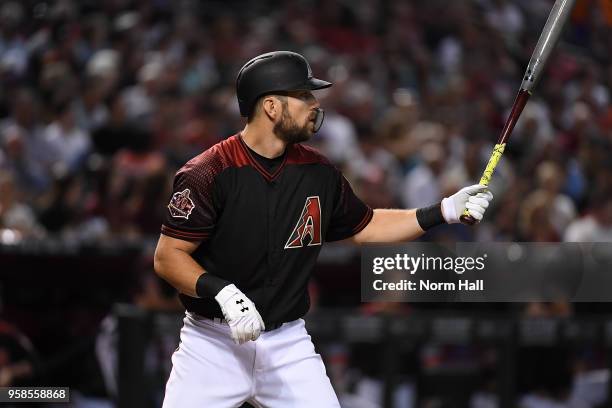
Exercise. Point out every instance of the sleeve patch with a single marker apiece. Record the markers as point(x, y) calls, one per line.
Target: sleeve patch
point(181, 205)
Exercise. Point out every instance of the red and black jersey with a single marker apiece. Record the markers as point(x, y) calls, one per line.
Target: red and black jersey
point(261, 230)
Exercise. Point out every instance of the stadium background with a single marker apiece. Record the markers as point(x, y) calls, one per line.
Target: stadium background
point(101, 102)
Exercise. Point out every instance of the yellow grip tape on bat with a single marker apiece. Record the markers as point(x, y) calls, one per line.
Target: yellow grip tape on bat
point(498, 150)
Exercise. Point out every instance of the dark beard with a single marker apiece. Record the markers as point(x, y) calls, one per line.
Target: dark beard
point(289, 131)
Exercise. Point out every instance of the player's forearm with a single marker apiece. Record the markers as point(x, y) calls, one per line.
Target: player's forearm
point(390, 226)
point(178, 268)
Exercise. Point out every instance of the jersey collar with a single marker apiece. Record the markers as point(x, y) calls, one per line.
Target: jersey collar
point(262, 170)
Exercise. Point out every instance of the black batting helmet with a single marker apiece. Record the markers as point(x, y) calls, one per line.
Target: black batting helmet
point(273, 72)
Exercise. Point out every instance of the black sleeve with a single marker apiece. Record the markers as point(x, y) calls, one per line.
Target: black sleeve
point(191, 212)
point(350, 214)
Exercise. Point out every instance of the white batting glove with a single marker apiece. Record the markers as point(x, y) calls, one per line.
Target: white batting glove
point(475, 198)
point(241, 315)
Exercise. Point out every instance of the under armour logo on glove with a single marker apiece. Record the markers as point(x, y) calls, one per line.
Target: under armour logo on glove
point(241, 314)
point(240, 302)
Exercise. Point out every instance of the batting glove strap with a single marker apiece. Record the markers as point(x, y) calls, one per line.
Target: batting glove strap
point(243, 318)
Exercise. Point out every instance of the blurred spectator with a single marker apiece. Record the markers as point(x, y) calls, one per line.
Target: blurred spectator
point(13, 50)
point(506, 16)
point(137, 178)
point(139, 100)
point(113, 134)
point(66, 140)
point(26, 150)
point(61, 208)
point(15, 214)
point(595, 226)
point(554, 209)
point(90, 111)
point(422, 183)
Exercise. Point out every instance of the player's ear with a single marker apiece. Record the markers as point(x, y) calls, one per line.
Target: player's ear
point(271, 106)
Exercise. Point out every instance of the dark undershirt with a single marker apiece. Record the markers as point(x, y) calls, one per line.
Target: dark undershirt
point(269, 164)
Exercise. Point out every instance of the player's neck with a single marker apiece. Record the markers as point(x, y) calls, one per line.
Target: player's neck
point(262, 141)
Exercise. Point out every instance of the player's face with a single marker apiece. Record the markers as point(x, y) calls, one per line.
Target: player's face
point(297, 121)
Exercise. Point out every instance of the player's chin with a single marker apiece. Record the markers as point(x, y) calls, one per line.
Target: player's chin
point(304, 136)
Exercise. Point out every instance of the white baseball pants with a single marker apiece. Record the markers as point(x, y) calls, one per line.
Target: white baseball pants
point(279, 369)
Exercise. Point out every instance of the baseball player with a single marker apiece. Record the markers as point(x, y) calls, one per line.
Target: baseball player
point(243, 230)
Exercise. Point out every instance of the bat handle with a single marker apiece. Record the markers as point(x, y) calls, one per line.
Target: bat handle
point(466, 218)
point(498, 150)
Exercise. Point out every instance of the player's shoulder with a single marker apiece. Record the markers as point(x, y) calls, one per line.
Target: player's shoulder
point(213, 160)
point(303, 154)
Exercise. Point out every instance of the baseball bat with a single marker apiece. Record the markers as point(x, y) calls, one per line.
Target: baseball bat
point(550, 35)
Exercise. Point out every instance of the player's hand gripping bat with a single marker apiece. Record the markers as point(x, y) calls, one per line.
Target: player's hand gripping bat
point(552, 30)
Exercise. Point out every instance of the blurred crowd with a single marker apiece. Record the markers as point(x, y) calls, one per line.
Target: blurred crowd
point(101, 102)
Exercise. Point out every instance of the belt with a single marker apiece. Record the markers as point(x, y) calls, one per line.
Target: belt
point(269, 326)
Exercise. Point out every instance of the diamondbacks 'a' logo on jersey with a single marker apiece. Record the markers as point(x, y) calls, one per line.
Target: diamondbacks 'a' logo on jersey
point(181, 205)
point(307, 231)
